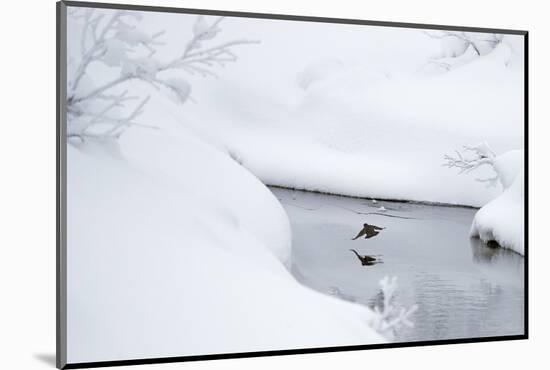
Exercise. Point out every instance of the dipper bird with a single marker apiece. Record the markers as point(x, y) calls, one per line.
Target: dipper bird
point(369, 231)
point(365, 260)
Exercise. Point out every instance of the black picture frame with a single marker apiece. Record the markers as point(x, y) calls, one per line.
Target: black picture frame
point(61, 221)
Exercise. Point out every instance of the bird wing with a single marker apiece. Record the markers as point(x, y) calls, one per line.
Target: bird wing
point(377, 227)
point(370, 229)
point(361, 233)
point(370, 233)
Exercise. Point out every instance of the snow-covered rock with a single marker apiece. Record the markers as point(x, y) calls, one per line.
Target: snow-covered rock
point(508, 165)
point(502, 219)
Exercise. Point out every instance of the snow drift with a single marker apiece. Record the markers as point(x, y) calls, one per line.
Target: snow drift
point(361, 130)
point(502, 219)
point(175, 249)
point(353, 110)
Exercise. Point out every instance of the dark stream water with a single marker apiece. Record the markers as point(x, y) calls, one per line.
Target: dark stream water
point(462, 288)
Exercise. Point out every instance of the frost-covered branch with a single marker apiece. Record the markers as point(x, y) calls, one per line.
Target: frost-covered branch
point(117, 43)
point(116, 126)
point(390, 317)
point(482, 155)
point(454, 46)
point(465, 164)
point(98, 47)
point(196, 60)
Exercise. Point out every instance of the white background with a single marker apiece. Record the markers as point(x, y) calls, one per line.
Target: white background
point(27, 190)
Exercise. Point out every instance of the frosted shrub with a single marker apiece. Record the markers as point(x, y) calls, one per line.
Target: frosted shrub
point(390, 317)
point(105, 109)
point(506, 165)
point(482, 155)
point(501, 220)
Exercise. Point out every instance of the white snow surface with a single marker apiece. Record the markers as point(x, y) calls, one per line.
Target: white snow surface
point(502, 219)
point(508, 165)
point(364, 130)
point(349, 109)
point(174, 249)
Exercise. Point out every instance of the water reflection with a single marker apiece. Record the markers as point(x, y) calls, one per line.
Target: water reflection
point(463, 288)
point(491, 252)
point(502, 266)
point(366, 260)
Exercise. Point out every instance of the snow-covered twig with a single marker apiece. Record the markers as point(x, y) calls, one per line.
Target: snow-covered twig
point(110, 41)
point(482, 150)
point(218, 55)
point(118, 125)
point(197, 60)
point(390, 317)
point(464, 164)
point(99, 90)
point(483, 155)
point(97, 49)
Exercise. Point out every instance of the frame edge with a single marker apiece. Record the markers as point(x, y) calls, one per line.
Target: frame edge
point(61, 169)
point(289, 17)
point(61, 244)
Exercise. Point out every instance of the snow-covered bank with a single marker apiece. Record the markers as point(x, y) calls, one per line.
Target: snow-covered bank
point(175, 249)
point(175, 245)
point(360, 131)
point(361, 111)
point(502, 219)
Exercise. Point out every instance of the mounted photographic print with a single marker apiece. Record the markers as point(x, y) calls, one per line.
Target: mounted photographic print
point(238, 184)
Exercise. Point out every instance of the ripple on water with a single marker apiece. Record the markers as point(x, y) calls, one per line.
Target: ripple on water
point(463, 288)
